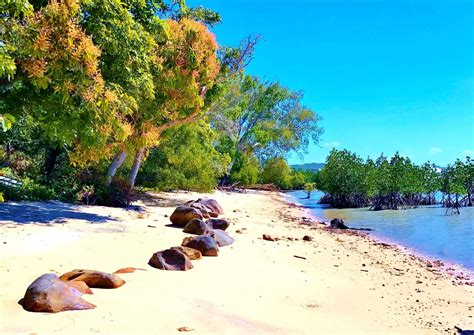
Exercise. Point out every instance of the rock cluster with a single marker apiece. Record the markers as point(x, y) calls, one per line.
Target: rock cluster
point(52, 294)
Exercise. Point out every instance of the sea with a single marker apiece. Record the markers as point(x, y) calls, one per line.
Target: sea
point(429, 231)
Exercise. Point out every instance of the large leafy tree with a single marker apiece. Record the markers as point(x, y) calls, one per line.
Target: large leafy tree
point(186, 158)
point(56, 77)
point(264, 119)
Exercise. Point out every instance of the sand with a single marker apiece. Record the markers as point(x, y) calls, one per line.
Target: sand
point(339, 283)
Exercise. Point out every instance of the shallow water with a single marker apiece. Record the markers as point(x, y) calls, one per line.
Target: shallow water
point(426, 230)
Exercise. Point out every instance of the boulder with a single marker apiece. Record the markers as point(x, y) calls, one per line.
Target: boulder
point(222, 238)
point(203, 209)
point(196, 226)
point(171, 259)
point(206, 244)
point(337, 224)
point(218, 224)
point(212, 204)
point(193, 254)
point(183, 214)
point(49, 294)
point(94, 278)
point(80, 286)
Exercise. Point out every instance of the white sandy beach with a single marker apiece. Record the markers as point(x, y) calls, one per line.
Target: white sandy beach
point(340, 283)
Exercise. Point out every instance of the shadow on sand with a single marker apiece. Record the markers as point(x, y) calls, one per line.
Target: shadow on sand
point(46, 213)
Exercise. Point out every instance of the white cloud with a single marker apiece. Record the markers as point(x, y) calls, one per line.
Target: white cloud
point(435, 150)
point(469, 153)
point(331, 144)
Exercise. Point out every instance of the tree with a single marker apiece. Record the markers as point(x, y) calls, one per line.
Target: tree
point(277, 172)
point(56, 77)
point(185, 159)
point(343, 179)
point(265, 120)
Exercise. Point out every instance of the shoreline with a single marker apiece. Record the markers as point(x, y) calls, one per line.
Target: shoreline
point(337, 282)
point(449, 267)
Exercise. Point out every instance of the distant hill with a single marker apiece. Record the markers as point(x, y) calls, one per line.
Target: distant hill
point(308, 166)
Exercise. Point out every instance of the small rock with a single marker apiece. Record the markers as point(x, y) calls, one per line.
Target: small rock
point(307, 238)
point(94, 278)
point(338, 224)
point(128, 270)
point(170, 259)
point(185, 329)
point(267, 237)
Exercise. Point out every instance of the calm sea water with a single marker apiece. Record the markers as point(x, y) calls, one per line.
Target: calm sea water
point(426, 230)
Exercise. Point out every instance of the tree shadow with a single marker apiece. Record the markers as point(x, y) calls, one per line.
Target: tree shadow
point(154, 199)
point(49, 212)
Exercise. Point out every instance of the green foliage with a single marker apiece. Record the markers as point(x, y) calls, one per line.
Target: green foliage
point(264, 120)
point(343, 175)
point(185, 159)
point(277, 172)
point(246, 170)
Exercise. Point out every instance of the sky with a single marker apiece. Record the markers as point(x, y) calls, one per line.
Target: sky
point(384, 75)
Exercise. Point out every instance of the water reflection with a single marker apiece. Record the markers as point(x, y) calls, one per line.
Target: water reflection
point(427, 229)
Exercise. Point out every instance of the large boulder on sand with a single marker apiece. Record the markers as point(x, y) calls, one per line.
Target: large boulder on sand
point(94, 278)
point(221, 237)
point(218, 224)
point(337, 224)
point(196, 226)
point(49, 294)
point(171, 259)
point(183, 214)
point(206, 244)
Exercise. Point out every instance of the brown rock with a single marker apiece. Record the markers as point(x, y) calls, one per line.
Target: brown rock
point(206, 244)
point(183, 214)
point(193, 254)
point(218, 224)
point(267, 237)
point(196, 226)
point(94, 278)
point(128, 270)
point(171, 260)
point(80, 286)
point(307, 238)
point(49, 294)
point(203, 209)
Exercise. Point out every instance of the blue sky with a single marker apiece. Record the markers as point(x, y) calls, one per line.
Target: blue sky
point(384, 75)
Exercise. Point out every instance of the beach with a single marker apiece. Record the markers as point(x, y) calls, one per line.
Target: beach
point(339, 282)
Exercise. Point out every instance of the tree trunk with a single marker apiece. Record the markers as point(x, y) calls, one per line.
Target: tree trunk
point(226, 178)
point(114, 166)
point(50, 163)
point(136, 166)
